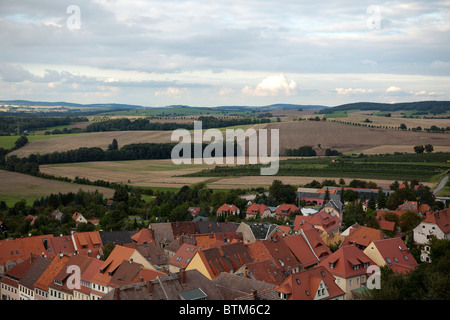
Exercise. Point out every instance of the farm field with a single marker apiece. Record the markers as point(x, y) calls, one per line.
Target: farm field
point(293, 134)
point(165, 174)
point(347, 138)
point(16, 186)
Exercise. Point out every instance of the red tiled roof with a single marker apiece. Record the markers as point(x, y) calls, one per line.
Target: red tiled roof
point(21, 248)
point(301, 250)
point(256, 208)
point(343, 258)
point(50, 273)
point(144, 235)
point(396, 254)
point(440, 218)
point(322, 218)
point(304, 285)
point(363, 236)
point(183, 255)
point(267, 271)
point(286, 209)
point(227, 209)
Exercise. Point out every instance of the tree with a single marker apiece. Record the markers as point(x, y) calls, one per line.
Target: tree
point(398, 197)
point(381, 199)
point(20, 142)
point(327, 195)
point(429, 148)
point(419, 149)
point(372, 203)
point(114, 145)
point(354, 213)
point(409, 220)
point(121, 194)
point(403, 126)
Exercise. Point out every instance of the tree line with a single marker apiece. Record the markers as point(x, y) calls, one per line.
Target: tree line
point(10, 125)
point(125, 124)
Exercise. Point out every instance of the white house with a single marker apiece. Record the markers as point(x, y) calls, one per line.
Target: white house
point(435, 223)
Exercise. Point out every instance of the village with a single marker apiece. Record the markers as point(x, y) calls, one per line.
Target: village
point(314, 258)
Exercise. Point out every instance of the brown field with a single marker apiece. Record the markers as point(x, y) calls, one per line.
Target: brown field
point(163, 173)
point(94, 139)
point(395, 121)
point(16, 186)
point(347, 138)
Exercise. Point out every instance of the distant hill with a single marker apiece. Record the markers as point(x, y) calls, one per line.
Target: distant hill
point(433, 107)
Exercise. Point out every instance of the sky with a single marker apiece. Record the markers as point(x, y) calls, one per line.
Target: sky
point(217, 52)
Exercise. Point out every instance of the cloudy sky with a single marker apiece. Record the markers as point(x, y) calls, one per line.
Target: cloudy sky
point(224, 52)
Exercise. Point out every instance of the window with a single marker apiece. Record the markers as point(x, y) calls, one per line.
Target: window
point(298, 281)
point(388, 260)
point(331, 265)
point(395, 259)
point(178, 259)
point(406, 258)
point(307, 292)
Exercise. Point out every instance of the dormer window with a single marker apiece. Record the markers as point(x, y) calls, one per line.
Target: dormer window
point(331, 265)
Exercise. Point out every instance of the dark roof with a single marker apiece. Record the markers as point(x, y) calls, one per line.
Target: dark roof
point(153, 253)
point(38, 266)
point(233, 286)
point(208, 227)
point(261, 230)
point(116, 237)
point(168, 287)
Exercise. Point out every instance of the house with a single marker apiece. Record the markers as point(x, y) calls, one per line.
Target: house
point(9, 283)
point(87, 243)
point(334, 207)
point(253, 231)
point(408, 205)
point(393, 253)
point(194, 211)
point(262, 270)
point(173, 247)
point(57, 245)
point(61, 288)
point(362, 236)
point(284, 210)
point(162, 233)
point(101, 280)
point(349, 266)
point(13, 251)
point(435, 224)
point(323, 220)
point(282, 255)
point(144, 236)
point(227, 209)
point(116, 237)
point(131, 272)
point(79, 218)
point(227, 258)
point(41, 287)
point(184, 228)
point(313, 284)
point(307, 247)
point(235, 287)
point(258, 209)
point(184, 285)
point(182, 257)
point(57, 215)
point(26, 285)
point(84, 291)
point(153, 254)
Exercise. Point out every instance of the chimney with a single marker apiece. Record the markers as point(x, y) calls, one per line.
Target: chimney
point(183, 276)
point(149, 286)
point(117, 293)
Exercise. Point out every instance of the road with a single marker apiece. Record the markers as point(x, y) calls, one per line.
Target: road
point(441, 185)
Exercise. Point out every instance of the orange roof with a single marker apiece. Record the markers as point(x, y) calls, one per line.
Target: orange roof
point(267, 271)
point(285, 209)
point(256, 208)
point(144, 235)
point(440, 218)
point(85, 241)
point(206, 241)
point(227, 208)
point(363, 236)
point(301, 250)
point(22, 248)
point(396, 254)
point(258, 251)
point(342, 261)
point(183, 255)
point(305, 285)
point(50, 273)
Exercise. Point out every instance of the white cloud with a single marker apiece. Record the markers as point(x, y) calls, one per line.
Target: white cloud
point(171, 91)
point(272, 86)
point(348, 91)
point(393, 89)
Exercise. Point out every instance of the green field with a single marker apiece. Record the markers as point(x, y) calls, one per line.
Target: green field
point(7, 142)
point(402, 167)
